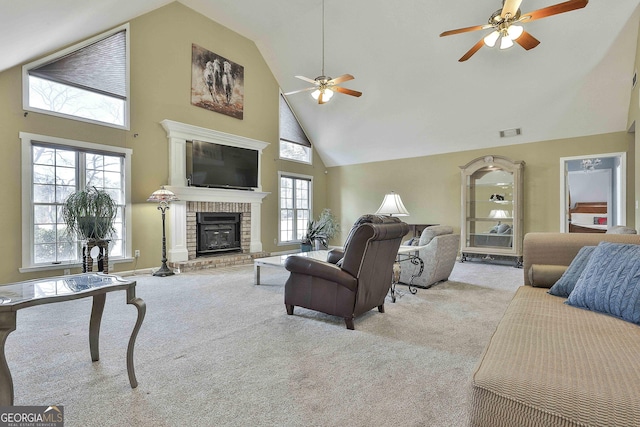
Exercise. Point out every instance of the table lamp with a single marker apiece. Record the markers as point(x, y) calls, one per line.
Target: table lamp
point(392, 206)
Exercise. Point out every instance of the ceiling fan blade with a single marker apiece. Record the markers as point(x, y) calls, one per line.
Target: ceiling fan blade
point(466, 30)
point(471, 51)
point(306, 79)
point(342, 78)
point(567, 6)
point(301, 90)
point(346, 91)
point(510, 7)
point(527, 41)
point(321, 99)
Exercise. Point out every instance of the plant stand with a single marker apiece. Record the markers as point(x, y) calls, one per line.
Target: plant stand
point(102, 258)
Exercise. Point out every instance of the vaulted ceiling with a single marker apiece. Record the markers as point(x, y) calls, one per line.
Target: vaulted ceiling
point(418, 99)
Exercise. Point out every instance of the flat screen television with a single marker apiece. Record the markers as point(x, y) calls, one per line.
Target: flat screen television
point(221, 166)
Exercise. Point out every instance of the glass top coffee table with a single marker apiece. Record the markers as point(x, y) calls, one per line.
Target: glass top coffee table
point(278, 261)
point(16, 296)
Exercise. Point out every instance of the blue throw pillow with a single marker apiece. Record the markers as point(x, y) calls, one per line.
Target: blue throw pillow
point(566, 283)
point(610, 283)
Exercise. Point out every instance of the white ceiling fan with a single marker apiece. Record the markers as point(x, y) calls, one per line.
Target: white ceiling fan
point(323, 86)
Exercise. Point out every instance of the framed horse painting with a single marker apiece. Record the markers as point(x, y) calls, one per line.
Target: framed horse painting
point(217, 83)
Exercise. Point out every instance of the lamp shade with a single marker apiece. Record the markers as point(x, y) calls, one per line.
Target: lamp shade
point(491, 39)
point(499, 213)
point(392, 205)
point(506, 42)
point(515, 31)
point(162, 196)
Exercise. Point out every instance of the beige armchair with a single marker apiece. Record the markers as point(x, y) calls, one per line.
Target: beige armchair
point(437, 247)
point(355, 284)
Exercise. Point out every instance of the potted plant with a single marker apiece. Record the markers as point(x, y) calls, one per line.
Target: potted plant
point(90, 213)
point(320, 231)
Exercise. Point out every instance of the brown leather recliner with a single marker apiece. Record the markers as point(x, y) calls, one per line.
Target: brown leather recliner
point(358, 282)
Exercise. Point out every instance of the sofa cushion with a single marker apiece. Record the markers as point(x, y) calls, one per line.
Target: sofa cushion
point(545, 275)
point(610, 283)
point(435, 230)
point(566, 283)
point(548, 364)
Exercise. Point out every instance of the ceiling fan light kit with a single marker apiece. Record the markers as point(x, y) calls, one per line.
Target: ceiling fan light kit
point(324, 87)
point(326, 94)
point(504, 24)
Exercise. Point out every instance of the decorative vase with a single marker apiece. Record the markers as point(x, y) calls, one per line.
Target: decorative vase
point(305, 247)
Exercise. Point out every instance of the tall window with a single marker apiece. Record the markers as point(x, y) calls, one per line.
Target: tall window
point(295, 206)
point(88, 81)
point(294, 144)
point(53, 169)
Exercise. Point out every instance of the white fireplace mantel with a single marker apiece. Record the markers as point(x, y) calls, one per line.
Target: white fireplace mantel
point(178, 135)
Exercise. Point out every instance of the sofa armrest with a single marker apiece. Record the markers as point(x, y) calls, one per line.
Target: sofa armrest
point(321, 269)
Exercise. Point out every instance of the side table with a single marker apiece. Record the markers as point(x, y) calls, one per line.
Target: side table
point(405, 253)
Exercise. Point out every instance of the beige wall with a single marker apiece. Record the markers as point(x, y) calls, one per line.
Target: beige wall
point(160, 89)
point(430, 186)
point(633, 122)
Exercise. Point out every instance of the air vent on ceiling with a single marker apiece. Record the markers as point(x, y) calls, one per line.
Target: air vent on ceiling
point(510, 132)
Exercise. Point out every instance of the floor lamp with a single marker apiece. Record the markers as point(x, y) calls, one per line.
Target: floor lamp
point(163, 197)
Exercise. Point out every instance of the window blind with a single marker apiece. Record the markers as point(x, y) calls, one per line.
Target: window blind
point(99, 67)
point(290, 129)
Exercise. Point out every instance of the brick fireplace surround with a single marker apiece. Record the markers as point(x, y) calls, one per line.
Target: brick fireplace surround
point(181, 223)
point(244, 209)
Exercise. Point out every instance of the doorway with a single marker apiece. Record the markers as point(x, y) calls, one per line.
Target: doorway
point(593, 180)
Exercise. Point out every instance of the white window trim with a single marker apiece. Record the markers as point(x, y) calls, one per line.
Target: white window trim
point(293, 175)
point(27, 196)
point(61, 53)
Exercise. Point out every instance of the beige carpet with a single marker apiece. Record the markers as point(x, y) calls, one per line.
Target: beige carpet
point(215, 350)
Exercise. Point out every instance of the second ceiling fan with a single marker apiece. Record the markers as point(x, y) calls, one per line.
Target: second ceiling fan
point(504, 26)
point(325, 86)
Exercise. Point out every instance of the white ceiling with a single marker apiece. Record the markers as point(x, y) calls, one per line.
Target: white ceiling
point(418, 99)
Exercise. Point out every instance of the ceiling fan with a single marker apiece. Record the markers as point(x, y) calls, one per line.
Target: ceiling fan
point(323, 86)
point(503, 23)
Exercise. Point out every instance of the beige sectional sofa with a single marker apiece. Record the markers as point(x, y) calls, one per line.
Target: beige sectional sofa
point(551, 364)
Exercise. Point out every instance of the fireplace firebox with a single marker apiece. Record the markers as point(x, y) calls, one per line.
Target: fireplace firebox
point(217, 232)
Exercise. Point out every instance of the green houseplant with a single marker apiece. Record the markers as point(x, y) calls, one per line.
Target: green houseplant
point(90, 214)
point(320, 231)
